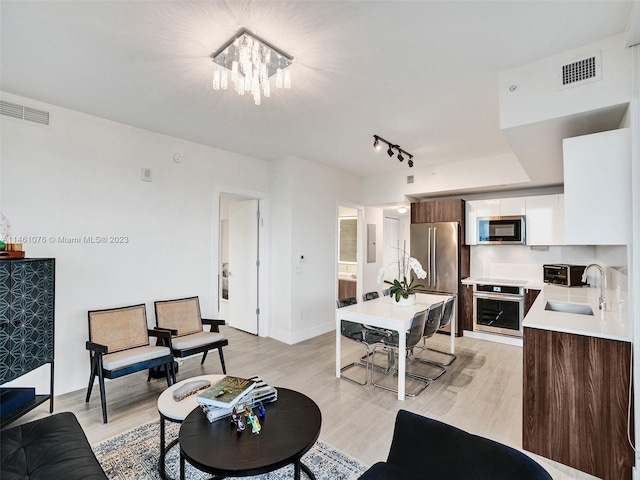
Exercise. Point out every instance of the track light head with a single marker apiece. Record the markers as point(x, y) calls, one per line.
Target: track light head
point(410, 162)
point(390, 151)
point(376, 142)
point(400, 157)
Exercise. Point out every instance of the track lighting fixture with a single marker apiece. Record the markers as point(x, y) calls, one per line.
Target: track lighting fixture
point(376, 144)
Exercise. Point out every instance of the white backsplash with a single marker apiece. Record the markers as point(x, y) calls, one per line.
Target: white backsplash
point(519, 262)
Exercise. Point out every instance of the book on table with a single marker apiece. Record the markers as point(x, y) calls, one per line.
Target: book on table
point(226, 392)
point(260, 393)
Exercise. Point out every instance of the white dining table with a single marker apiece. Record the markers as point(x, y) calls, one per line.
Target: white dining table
point(383, 313)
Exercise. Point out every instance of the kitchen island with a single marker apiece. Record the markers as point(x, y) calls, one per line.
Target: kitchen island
point(576, 382)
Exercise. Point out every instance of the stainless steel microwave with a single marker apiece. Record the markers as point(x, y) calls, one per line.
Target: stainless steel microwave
point(501, 230)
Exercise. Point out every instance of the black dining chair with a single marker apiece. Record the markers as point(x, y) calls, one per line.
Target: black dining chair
point(358, 332)
point(370, 296)
point(447, 316)
point(431, 326)
point(391, 344)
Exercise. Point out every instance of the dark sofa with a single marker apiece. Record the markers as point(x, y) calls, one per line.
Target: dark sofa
point(423, 449)
point(54, 447)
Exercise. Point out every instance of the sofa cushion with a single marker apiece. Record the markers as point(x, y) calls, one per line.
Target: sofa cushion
point(388, 471)
point(48, 448)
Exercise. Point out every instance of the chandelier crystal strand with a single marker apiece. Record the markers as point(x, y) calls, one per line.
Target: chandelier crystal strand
point(279, 78)
point(216, 80)
point(287, 78)
point(223, 81)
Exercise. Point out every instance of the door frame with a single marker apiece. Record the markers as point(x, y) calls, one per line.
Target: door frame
point(264, 236)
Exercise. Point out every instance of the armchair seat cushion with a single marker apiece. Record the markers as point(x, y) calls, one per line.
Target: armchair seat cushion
point(125, 358)
point(194, 340)
point(51, 447)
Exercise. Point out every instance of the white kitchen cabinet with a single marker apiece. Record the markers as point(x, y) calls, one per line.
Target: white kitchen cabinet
point(512, 206)
point(597, 188)
point(545, 220)
point(487, 208)
point(493, 207)
point(471, 222)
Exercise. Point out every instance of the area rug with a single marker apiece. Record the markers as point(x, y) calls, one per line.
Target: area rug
point(134, 455)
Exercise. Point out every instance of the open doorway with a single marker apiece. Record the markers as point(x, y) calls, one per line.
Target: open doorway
point(347, 252)
point(239, 261)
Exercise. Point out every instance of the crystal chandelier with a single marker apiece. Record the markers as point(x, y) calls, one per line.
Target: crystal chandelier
point(250, 61)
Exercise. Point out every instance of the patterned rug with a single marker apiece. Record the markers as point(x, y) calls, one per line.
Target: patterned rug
point(134, 455)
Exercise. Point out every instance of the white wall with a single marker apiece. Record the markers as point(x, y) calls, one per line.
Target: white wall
point(304, 207)
point(482, 172)
point(539, 96)
point(81, 176)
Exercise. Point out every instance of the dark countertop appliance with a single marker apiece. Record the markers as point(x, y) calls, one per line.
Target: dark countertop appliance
point(564, 274)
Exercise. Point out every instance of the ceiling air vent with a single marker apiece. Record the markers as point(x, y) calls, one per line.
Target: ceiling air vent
point(24, 113)
point(580, 71)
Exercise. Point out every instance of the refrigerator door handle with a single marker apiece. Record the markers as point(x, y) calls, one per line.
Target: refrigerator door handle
point(434, 260)
point(429, 257)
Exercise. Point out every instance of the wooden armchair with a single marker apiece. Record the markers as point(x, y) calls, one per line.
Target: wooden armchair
point(183, 320)
point(119, 345)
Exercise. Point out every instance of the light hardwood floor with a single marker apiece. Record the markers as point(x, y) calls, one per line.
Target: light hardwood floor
point(481, 392)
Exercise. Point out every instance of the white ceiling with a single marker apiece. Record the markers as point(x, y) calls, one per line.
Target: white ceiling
point(422, 74)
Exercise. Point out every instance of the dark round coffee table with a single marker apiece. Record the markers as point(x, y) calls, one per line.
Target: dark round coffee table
point(289, 430)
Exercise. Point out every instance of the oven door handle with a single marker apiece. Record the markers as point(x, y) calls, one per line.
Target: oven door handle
point(499, 296)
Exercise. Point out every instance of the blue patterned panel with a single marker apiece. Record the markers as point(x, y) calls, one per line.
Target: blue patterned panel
point(5, 283)
point(31, 314)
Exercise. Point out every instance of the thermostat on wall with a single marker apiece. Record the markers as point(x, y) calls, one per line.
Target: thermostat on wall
point(146, 174)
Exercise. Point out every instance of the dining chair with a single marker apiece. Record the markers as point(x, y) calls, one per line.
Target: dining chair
point(447, 316)
point(431, 326)
point(370, 296)
point(391, 344)
point(119, 345)
point(358, 332)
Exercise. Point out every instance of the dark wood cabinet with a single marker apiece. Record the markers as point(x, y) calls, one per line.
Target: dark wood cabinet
point(438, 211)
point(575, 402)
point(530, 295)
point(26, 323)
point(346, 288)
point(465, 303)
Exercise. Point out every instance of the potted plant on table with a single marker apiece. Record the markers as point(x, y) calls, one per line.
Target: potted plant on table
point(403, 288)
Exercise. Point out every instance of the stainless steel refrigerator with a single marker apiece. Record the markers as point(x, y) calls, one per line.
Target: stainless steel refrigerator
point(437, 247)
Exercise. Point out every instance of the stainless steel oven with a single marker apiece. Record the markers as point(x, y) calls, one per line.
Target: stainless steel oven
point(498, 309)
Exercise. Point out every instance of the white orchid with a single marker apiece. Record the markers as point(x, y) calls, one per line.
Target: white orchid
point(401, 287)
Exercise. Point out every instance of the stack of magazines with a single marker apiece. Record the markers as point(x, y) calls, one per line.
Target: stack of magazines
point(260, 393)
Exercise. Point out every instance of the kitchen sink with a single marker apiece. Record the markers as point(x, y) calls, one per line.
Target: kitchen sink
point(564, 307)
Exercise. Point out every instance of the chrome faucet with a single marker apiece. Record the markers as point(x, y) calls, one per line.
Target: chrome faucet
point(603, 283)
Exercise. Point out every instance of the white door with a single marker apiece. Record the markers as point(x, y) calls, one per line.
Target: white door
point(243, 265)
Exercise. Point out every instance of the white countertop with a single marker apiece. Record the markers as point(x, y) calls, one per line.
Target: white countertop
point(612, 324)
point(502, 281)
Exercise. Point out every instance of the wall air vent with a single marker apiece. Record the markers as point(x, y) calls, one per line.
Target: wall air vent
point(24, 113)
point(580, 71)
point(409, 179)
